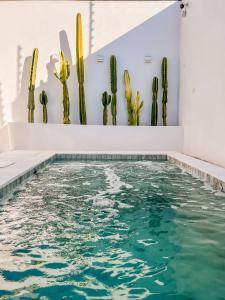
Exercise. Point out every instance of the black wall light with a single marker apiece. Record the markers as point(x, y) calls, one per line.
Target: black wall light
point(183, 7)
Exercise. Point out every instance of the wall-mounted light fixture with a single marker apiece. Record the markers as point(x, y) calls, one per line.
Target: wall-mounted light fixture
point(147, 59)
point(100, 58)
point(183, 7)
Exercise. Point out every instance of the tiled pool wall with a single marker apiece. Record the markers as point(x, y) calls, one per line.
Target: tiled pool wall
point(213, 181)
point(11, 186)
point(103, 156)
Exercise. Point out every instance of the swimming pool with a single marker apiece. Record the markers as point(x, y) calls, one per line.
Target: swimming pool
point(113, 230)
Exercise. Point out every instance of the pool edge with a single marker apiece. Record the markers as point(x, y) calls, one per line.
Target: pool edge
point(213, 175)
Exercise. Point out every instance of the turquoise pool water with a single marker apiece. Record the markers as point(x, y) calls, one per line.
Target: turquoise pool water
point(113, 230)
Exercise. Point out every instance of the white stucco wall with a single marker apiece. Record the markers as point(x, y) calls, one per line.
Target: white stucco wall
point(202, 81)
point(59, 137)
point(130, 30)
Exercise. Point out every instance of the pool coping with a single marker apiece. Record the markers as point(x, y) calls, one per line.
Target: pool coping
point(18, 170)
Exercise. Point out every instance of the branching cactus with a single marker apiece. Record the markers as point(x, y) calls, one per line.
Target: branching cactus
point(113, 76)
point(44, 100)
point(31, 87)
point(106, 99)
point(137, 106)
point(128, 96)
point(63, 76)
point(80, 70)
point(165, 88)
point(154, 114)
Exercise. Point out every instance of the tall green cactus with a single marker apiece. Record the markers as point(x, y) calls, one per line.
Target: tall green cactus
point(80, 70)
point(31, 87)
point(137, 106)
point(154, 114)
point(63, 76)
point(44, 100)
point(128, 96)
point(133, 107)
point(106, 99)
point(113, 77)
point(165, 89)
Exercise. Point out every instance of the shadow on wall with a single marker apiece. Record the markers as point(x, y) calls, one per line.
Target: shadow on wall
point(2, 119)
point(153, 37)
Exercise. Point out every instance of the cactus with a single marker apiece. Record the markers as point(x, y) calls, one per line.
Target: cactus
point(154, 114)
point(63, 76)
point(80, 70)
point(165, 87)
point(31, 87)
point(113, 76)
point(44, 100)
point(106, 99)
point(137, 106)
point(128, 96)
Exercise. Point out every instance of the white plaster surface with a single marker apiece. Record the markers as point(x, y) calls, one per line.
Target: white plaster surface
point(59, 137)
point(128, 29)
point(203, 166)
point(202, 68)
point(4, 138)
point(18, 163)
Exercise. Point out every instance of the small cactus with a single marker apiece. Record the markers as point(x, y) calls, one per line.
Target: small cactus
point(113, 76)
point(154, 114)
point(44, 100)
point(63, 76)
point(137, 106)
point(31, 88)
point(80, 70)
point(165, 89)
point(106, 99)
point(128, 96)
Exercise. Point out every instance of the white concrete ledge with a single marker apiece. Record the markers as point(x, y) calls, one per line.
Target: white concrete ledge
point(60, 137)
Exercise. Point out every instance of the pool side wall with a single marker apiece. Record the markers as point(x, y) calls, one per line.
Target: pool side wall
point(213, 175)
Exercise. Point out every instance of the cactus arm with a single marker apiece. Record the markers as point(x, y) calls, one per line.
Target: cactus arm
point(106, 99)
point(113, 77)
point(165, 88)
point(113, 74)
point(63, 76)
point(67, 69)
point(154, 113)
point(56, 74)
point(137, 106)
point(44, 100)
point(80, 69)
point(128, 96)
point(31, 86)
point(45, 114)
point(114, 109)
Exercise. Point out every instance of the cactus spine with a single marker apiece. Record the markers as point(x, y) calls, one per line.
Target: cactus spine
point(113, 76)
point(137, 106)
point(31, 87)
point(154, 114)
point(63, 76)
point(128, 96)
point(106, 99)
point(165, 88)
point(80, 70)
point(44, 100)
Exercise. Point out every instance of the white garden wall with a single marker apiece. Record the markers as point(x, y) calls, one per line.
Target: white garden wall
point(202, 80)
point(128, 29)
point(59, 137)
